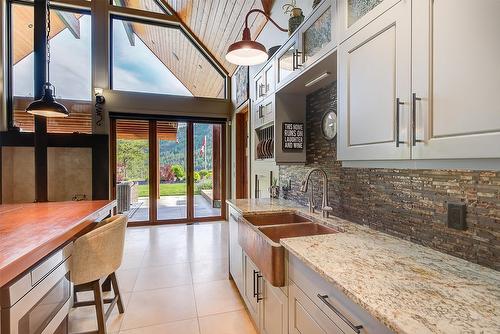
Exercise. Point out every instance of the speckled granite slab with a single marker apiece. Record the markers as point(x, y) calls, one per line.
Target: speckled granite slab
point(408, 287)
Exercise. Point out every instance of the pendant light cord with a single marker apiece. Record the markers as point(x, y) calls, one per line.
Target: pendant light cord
point(48, 41)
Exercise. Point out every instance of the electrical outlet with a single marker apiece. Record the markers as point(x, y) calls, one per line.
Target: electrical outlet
point(456, 216)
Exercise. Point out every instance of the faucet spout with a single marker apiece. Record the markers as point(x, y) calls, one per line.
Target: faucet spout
point(304, 186)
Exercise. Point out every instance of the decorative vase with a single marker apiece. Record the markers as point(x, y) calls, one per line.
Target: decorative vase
point(295, 20)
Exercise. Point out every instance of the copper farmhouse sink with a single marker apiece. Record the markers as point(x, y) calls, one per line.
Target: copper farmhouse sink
point(275, 219)
point(259, 237)
point(275, 233)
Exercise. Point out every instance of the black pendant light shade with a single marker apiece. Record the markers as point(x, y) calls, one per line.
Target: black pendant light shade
point(47, 106)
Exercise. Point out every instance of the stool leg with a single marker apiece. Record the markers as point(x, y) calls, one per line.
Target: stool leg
point(114, 283)
point(99, 307)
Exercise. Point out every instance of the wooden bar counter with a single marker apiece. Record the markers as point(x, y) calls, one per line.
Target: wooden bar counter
point(29, 232)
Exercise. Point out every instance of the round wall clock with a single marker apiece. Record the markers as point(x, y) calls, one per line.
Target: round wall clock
point(329, 125)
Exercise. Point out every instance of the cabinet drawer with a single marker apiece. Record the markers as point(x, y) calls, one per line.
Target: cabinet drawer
point(335, 304)
point(50, 263)
point(305, 317)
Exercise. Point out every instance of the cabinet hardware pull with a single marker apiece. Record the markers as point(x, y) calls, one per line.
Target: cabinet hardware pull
point(259, 298)
point(255, 293)
point(398, 104)
point(295, 60)
point(324, 299)
point(414, 120)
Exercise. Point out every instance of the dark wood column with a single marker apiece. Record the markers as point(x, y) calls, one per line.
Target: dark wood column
point(40, 75)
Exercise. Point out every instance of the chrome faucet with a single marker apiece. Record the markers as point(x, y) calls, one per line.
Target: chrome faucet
point(325, 208)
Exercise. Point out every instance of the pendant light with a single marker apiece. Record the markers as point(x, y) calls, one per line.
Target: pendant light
point(247, 52)
point(47, 106)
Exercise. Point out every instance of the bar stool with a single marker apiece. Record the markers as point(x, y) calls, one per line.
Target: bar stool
point(95, 257)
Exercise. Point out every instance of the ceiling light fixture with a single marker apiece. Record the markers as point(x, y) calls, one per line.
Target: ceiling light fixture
point(247, 52)
point(47, 106)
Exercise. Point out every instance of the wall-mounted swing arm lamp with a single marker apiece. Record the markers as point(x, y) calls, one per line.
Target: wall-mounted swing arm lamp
point(247, 52)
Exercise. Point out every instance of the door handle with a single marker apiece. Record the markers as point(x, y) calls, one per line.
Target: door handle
point(324, 299)
point(398, 104)
point(414, 100)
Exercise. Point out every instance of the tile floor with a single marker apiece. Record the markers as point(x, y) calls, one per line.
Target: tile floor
point(174, 279)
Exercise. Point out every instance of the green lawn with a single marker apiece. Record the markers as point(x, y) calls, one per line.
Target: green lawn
point(167, 189)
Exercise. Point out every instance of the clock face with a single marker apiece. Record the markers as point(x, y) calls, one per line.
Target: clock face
point(329, 125)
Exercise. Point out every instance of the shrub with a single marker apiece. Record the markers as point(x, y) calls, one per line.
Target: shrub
point(197, 177)
point(178, 171)
point(204, 173)
point(204, 184)
point(166, 173)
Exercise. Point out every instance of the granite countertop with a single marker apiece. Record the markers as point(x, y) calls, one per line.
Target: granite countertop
point(408, 287)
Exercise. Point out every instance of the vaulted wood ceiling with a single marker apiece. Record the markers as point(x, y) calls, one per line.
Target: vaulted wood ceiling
point(219, 23)
point(216, 23)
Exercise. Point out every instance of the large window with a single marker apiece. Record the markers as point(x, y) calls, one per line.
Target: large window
point(70, 68)
point(147, 5)
point(158, 59)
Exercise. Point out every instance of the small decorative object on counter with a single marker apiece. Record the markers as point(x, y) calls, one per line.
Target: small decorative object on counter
point(286, 188)
point(274, 190)
point(315, 3)
point(296, 16)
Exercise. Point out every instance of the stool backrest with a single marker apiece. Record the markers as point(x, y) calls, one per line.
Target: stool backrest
point(99, 252)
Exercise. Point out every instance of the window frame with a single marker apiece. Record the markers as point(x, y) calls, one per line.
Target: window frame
point(102, 14)
point(168, 24)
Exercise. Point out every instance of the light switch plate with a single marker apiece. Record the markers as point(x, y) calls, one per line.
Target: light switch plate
point(456, 216)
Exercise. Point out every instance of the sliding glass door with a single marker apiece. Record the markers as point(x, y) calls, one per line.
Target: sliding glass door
point(172, 171)
point(168, 171)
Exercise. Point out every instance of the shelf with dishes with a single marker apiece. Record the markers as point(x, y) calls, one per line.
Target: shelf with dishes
point(265, 143)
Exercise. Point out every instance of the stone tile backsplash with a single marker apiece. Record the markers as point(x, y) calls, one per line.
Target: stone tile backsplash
point(411, 204)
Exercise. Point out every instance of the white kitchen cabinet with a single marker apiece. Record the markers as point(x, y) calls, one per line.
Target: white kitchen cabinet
point(356, 14)
point(456, 77)
point(288, 61)
point(317, 306)
point(235, 251)
point(306, 317)
point(274, 310)
point(251, 292)
point(318, 34)
point(374, 77)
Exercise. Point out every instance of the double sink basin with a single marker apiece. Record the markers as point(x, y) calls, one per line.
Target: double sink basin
point(259, 236)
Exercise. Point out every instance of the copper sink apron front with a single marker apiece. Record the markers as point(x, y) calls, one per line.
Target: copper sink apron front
point(261, 243)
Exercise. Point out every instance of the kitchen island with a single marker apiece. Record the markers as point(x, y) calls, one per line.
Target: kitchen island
point(35, 246)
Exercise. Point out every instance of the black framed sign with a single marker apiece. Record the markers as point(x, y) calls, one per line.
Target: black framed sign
point(293, 136)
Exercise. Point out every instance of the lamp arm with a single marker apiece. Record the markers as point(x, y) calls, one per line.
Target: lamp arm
point(256, 10)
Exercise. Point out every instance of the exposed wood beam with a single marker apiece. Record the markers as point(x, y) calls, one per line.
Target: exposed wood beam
point(71, 22)
point(267, 5)
point(194, 37)
point(129, 29)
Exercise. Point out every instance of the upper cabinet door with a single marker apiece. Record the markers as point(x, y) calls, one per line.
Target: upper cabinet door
point(287, 62)
point(318, 34)
point(456, 78)
point(356, 14)
point(374, 75)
